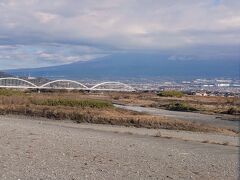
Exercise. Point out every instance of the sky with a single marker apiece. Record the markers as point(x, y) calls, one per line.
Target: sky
point(37, 33)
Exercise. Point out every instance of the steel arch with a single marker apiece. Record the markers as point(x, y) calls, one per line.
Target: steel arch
point(19, 79)
point(63, 80)
point(111, 82)
point(30, 85)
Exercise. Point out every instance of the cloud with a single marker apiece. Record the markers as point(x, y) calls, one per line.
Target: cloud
point(40, 55)
point(45, 18)
point(112, 26)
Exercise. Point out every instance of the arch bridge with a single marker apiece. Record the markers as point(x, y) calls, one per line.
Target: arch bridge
point(18, 83)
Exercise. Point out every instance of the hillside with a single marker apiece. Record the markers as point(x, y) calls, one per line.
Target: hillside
point(3, 74)
point(137, 65)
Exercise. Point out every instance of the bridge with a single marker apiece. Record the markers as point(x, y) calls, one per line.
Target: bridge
point(18, 83)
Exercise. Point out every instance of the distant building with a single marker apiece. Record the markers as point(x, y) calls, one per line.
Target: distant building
point(223, 85)
point(31, 78)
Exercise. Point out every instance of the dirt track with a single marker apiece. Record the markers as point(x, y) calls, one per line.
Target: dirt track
point(39, 149)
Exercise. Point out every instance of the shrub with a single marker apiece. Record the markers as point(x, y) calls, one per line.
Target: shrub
point(170, 93)
point(232, 111)
point(180, 107)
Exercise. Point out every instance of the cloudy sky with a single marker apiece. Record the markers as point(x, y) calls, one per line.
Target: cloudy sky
point(36, 33)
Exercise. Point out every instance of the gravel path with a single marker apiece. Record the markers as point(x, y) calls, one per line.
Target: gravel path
point(212, 120)
point(40, 149)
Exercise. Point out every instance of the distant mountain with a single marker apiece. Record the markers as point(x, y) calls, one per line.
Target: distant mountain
point(137, 65)
point(3, 74)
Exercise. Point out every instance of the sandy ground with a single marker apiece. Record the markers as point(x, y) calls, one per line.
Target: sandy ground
point(47, 149)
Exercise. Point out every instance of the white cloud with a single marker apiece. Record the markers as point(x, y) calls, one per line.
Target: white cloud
point(28, 56)
point(118, 24)
point(45, 17)
point(232, 22)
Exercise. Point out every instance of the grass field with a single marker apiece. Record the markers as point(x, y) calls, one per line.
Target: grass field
point(92, 108)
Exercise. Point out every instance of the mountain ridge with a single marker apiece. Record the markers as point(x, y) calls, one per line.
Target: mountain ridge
point(137, 65)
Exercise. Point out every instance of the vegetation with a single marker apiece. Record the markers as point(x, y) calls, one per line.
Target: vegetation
point(203, 104)
point(91, 103)
point(179, 106)
point(170, 94)
point(10, 92)
point(232, 111)
point(107, 116)
point(95, 108)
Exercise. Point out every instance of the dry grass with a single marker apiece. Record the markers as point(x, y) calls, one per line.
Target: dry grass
point(90, 108)
point(202, 104)
point(82, 103)
point(207, 104)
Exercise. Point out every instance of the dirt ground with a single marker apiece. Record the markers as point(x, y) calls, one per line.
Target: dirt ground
point(46, 149)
